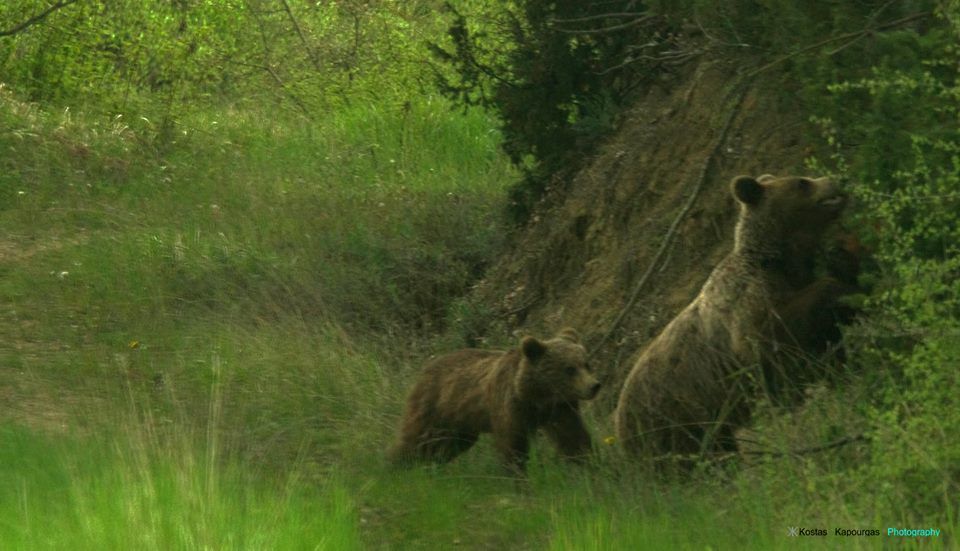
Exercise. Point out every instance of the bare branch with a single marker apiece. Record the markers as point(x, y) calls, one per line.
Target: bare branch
point(668, 238)
point(37, 18)
point(614, 28)
point(670, 58)
point(266, 66)
point(852, 36)
point(601, 16)
point(296, 99)
point(306, 46)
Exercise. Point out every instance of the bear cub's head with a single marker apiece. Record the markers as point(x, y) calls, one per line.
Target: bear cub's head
point(557, 370)
point(794, 209)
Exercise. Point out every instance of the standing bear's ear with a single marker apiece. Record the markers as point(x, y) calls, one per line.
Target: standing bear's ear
point(747, 190)
point(532, 348)
point(569, 334)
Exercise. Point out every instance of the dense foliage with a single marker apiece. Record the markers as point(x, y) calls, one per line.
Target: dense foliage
point(560, 73)
point(162, 59)
point(904, 118)
point(556, 72)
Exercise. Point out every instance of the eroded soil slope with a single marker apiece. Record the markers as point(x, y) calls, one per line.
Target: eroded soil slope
point(593, 238)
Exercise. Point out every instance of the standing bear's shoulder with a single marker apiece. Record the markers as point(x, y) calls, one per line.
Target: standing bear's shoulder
point(690, 389)
point(782, 222)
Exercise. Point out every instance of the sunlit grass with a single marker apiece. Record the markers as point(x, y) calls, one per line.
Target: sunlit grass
point(123, 491)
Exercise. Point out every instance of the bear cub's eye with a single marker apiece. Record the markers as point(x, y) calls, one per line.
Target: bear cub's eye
point(571, 370)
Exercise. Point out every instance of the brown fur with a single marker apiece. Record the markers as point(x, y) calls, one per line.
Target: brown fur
point(691, 387)
point(809, 337)
point(510, 394)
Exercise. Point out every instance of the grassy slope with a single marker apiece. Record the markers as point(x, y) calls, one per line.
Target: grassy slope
point(209, 345)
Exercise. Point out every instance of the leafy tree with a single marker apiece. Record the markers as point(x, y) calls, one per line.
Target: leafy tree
point(556, 72)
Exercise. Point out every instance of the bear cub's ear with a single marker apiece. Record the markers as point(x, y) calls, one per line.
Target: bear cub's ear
point(569, 334)
point(532, 348)
point(747, 190)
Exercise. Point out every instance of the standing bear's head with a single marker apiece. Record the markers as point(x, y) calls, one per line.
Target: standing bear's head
point(785, 215)
point(556, 370)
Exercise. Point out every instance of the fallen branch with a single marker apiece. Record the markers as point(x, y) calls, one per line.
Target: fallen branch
point(839, 442)
point(668, 238)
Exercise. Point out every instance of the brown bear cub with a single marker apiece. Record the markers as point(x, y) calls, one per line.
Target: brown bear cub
point(692, 386)
point(538, 385)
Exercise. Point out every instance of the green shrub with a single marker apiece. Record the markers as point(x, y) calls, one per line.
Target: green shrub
point(906, 169)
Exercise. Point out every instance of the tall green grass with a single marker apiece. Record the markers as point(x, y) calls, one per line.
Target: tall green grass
point(136, 271)
point(374, 218)
point(124, 492)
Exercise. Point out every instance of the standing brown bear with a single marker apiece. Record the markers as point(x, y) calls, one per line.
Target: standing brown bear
point(511, 394)
point(692, 385)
